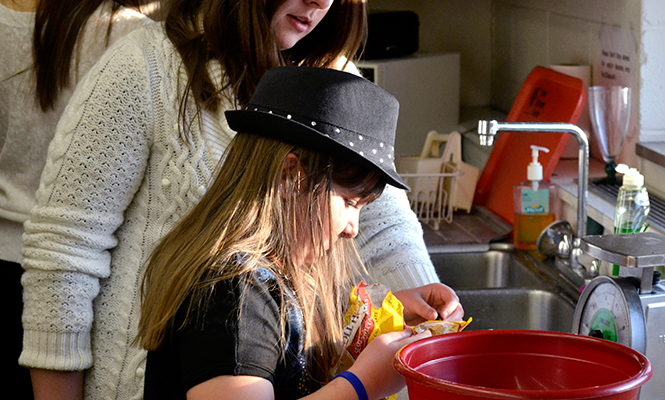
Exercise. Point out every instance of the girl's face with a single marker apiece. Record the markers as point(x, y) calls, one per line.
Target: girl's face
point(344, 213)
point(296, 18)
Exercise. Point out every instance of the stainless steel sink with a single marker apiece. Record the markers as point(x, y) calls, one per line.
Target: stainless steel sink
point(488, 269)
point(517, 308)
point(504, 288)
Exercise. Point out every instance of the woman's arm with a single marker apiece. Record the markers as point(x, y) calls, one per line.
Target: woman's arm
point(391, 243)
point(95, 165)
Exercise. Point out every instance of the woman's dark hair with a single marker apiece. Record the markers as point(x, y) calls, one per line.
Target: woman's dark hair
point(237, 34)
point(58, 25)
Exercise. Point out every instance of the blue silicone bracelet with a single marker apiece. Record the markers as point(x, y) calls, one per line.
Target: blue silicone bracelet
point(355, 382)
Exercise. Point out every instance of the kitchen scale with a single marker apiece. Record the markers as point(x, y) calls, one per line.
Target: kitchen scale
point(629, 309)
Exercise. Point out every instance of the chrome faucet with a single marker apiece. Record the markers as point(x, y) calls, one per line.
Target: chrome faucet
point(488, 129)
point(567, 248)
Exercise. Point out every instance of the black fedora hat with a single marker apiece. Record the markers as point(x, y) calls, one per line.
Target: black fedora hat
point(325, 110)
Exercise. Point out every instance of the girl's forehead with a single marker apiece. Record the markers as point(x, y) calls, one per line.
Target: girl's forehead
point(344, 191)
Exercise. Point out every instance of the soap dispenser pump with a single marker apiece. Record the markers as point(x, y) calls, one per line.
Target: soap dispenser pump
point(534, 171)
point(533, 202)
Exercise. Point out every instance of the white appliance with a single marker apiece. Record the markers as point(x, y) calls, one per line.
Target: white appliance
point(427, 87)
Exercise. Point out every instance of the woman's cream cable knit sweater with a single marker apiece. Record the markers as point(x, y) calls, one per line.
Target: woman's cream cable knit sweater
point(117, 178)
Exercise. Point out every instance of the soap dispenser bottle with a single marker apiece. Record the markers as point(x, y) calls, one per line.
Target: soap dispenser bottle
point(533, 202)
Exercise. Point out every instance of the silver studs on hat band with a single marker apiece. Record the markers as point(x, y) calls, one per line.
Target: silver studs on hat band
point(380, 153)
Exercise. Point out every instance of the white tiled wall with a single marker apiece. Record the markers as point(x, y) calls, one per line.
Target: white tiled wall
point(544, 32)
point(527, 33)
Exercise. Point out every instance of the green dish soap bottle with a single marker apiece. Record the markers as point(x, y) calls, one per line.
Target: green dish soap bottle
point(533, 202)
point(633, 206)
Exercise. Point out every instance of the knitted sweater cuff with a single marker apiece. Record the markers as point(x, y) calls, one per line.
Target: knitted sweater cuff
point(404, 275)
point(56, 351)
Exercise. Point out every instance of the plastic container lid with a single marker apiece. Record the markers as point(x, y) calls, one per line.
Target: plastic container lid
point(631, 176)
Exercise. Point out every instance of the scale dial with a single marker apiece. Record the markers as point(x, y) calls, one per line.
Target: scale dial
point(611, 309)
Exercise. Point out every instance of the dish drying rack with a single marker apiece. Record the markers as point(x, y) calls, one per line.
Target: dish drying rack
point(439, 185)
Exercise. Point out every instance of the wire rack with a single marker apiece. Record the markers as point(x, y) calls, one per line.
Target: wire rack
point(436, 187)
point(431, 195)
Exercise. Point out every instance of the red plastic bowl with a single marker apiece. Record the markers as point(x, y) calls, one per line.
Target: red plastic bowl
point(521, 364)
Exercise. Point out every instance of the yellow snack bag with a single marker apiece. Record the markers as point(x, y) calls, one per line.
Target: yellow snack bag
point(373, 310)
point(441, 327)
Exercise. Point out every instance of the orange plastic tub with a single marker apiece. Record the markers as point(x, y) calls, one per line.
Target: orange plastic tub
point(521, 364)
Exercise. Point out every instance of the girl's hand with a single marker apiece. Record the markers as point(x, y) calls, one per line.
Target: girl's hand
point(374, 366)
point(429, 302)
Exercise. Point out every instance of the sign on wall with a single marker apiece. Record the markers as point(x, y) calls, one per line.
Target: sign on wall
point(616, 57)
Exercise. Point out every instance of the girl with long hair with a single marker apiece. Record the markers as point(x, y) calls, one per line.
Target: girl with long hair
point(47, 46)
point(136, 150)
point(244, 297)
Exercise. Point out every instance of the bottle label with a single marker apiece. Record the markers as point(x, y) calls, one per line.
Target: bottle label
point(535, 201)
point(632, 211)
point(642, 199)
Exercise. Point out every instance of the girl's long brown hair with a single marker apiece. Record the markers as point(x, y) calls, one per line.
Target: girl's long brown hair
point(237, 35)
point(58, 25)
point(244, 212)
